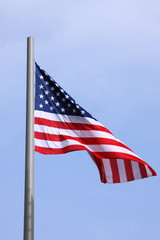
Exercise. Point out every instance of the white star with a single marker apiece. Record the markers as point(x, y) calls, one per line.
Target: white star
point(41, 96)
point(51, 79)
point(77, 106)
point(57, 85)
point(63, 99)
point(67, 96)
point(41, 86)
point(72, 101)
point(62, 110)
point(41, 77)
point(52, 98)
point(46, 82)
point(40, 105)
point(46, 73)
point(62, 90)
point(46, 102)
point(69, 105)
point(74, 110)
point(58, 94)
point(82, 112)
point(46, 92)
point(51, 108)
point(52, 88)
point(57, 104)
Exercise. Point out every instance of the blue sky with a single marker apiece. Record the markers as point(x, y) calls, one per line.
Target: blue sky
point(111, 48)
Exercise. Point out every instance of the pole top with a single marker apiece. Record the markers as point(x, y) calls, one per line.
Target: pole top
point(30, 37)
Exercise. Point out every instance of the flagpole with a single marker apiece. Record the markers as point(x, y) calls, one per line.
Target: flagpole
point(29, 156)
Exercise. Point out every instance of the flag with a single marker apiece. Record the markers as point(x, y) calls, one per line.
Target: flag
point(62, 125)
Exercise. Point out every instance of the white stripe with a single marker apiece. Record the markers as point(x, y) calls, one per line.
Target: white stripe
point(149, 173)
point(122, 170)
point(65, 118)
point(108, 170)
point(92, 148)
point(74, 133)
point(136, 170)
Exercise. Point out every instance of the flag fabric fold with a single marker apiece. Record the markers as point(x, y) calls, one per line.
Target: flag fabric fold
point(62, 125)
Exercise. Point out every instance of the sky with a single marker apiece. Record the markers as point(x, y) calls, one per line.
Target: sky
point(106, 55)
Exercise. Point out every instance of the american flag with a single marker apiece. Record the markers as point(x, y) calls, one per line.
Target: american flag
point(62, 125)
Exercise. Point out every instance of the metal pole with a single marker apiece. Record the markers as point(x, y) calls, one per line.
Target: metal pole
point(29, 157)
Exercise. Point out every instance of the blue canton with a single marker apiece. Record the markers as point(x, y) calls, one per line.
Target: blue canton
point(50, 97)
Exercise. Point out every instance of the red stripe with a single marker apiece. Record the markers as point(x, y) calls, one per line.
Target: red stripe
point(59, 150)
point(68, 125)
point(115, 172)
point(87, 141)
point(142, 170)
point(78, 147)
point(153, 172)
point(129, 171)
point(100, 166)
